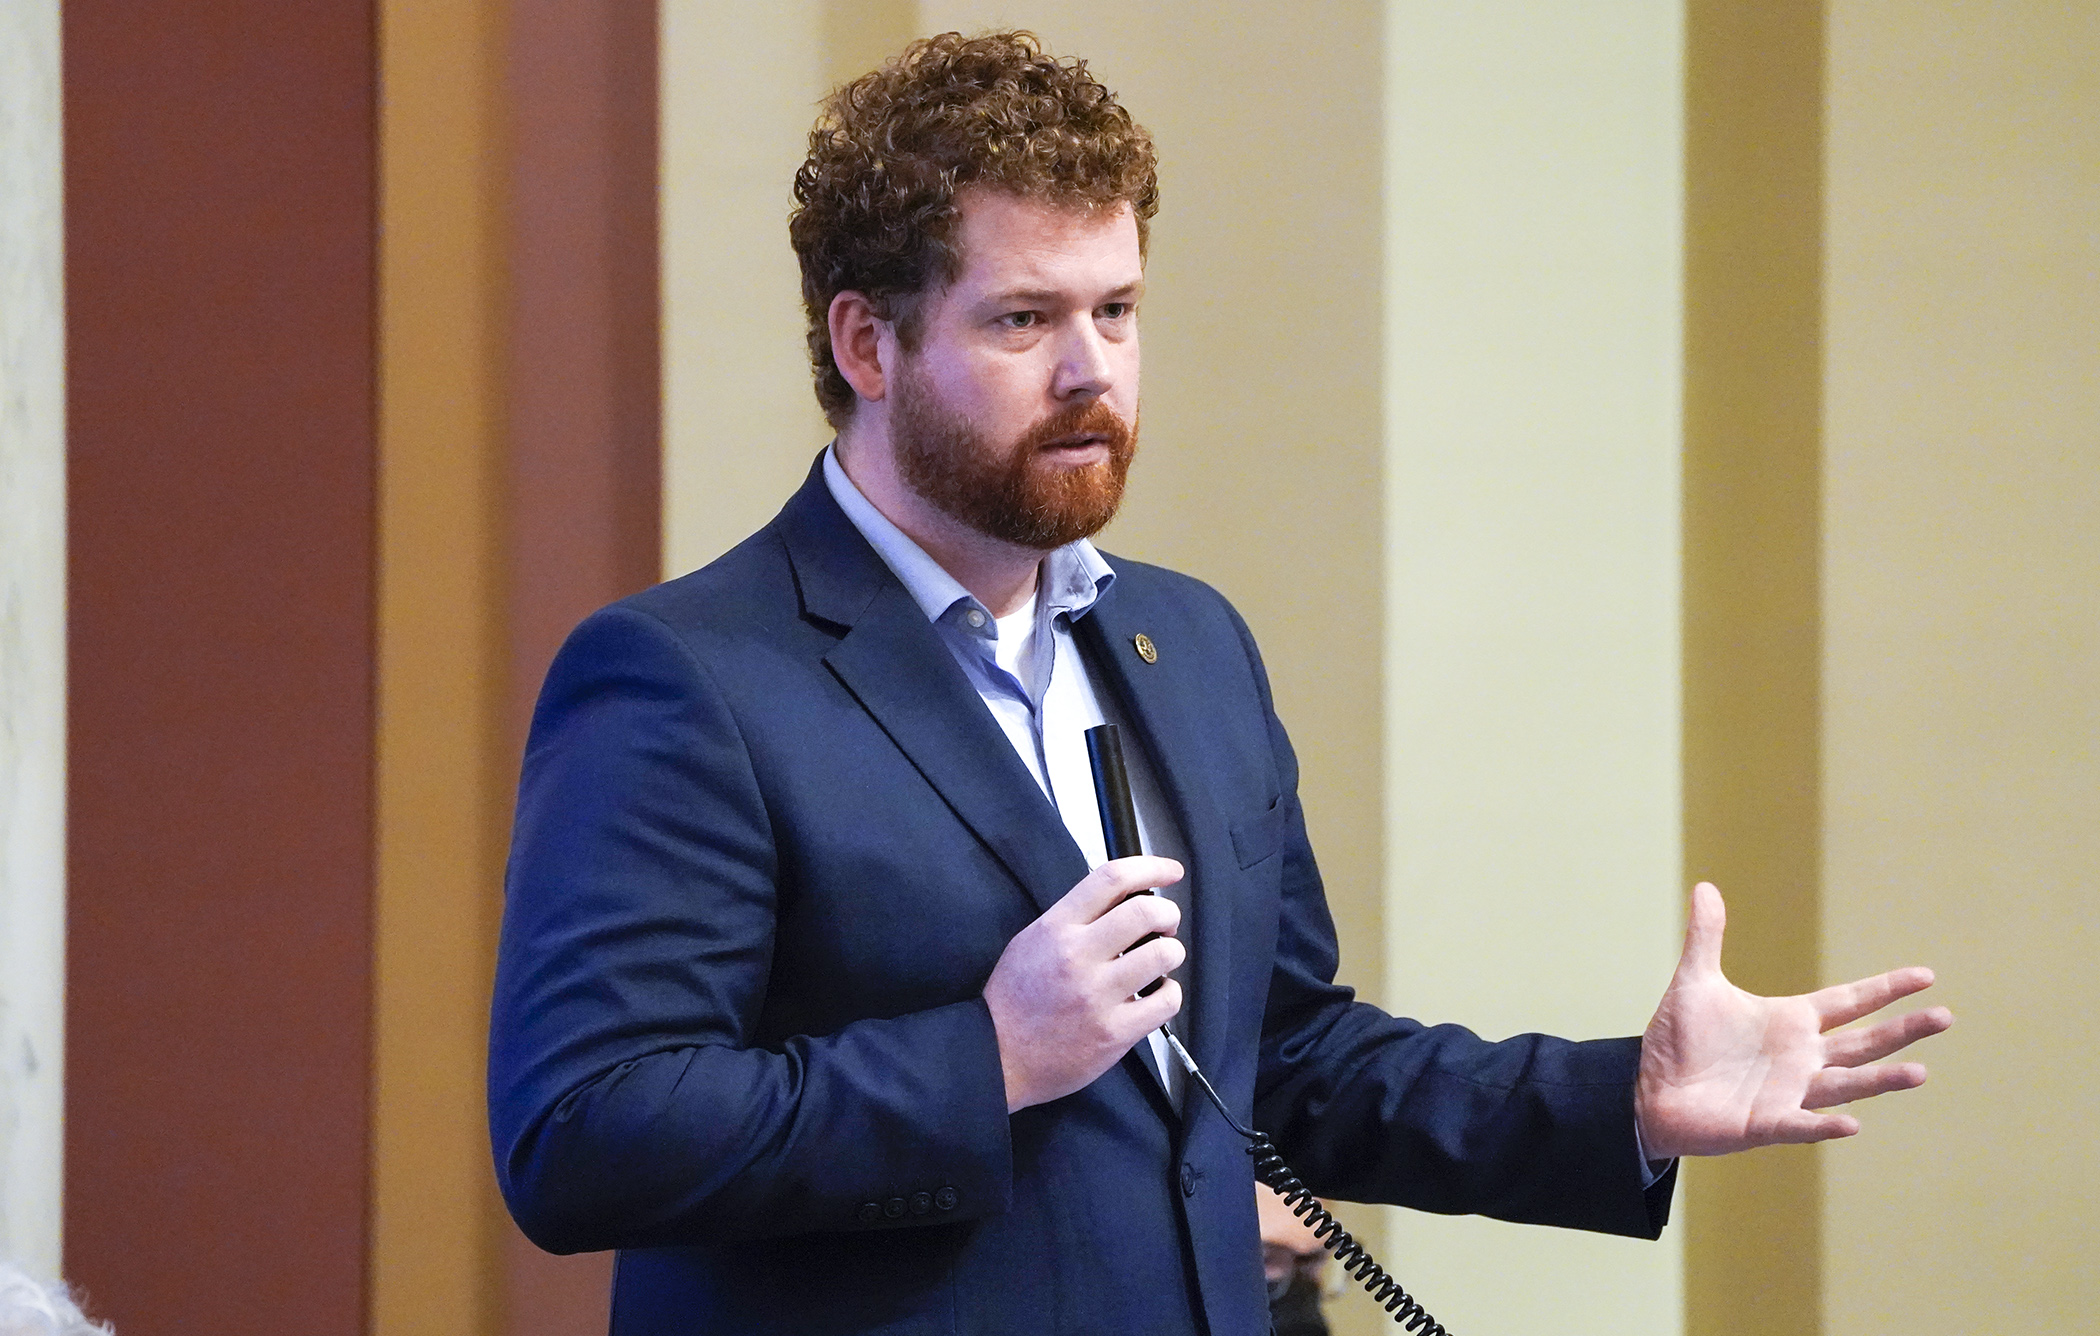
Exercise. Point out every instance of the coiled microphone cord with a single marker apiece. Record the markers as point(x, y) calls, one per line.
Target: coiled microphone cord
point(1120, 836)
point(1348, 1253)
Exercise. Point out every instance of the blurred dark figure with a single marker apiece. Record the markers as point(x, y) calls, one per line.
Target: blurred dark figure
point(1292, 1260)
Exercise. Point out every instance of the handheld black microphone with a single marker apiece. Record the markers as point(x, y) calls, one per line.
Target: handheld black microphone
point(1119, 827)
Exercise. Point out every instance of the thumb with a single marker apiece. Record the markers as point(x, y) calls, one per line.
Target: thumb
point(1702, 931)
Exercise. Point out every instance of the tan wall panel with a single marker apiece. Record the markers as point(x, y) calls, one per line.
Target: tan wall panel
point(1753, 259)
point(443, 791)
point(1962, 648)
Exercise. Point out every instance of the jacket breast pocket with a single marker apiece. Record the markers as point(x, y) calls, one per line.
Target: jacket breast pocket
point(1259, 836)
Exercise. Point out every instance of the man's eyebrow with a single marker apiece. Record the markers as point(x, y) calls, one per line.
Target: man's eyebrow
point(1051, 296)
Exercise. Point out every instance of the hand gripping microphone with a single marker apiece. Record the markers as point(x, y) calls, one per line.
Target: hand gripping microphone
point(1119, 831)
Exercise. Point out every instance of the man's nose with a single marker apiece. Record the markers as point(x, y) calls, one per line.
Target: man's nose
point(1083, 365)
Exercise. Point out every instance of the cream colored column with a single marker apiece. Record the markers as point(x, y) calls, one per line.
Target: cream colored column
point(1962, 649)
point(740, 86)
point(1533, 258)
point(32, 639)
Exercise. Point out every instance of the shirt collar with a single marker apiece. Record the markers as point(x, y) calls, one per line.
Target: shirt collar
point(1072, 578)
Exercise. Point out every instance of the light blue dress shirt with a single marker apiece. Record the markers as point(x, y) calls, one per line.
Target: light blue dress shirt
point(1032, 678)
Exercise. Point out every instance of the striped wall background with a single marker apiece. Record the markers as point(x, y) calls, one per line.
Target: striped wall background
point(1653, 440)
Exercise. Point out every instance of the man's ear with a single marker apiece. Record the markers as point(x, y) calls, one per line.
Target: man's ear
point(857, 338)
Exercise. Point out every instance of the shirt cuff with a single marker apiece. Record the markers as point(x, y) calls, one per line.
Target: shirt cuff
point(1651, 1170)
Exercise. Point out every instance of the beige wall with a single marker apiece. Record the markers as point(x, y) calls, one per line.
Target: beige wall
point(1961, 655)
point(740, 85)
point(32, 639)
point(1533, 185)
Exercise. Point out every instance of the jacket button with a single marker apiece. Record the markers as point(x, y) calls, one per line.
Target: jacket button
point(1188, 1179)
point(921, 1202)
point(946, 1199)
point(868, 1213)
point(894, 1208)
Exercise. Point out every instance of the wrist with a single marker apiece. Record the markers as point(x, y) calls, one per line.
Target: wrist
point(1012, 1072)
point(1649, 1136)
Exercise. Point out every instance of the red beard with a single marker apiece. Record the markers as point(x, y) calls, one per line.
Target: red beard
point(1015, 493)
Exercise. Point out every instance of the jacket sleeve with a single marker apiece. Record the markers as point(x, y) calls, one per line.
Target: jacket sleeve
point(1371, 1107)
point(629, 1103)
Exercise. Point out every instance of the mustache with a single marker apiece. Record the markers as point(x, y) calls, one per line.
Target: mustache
point(1092, 418)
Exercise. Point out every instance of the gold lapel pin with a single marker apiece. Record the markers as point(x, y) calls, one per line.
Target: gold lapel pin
point(1145, 648)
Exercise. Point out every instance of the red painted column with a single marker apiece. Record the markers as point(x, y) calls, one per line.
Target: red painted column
point(219, 273)
point(585, 410)
point(586, 398)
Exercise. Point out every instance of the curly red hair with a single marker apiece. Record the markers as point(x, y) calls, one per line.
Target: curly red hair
point(876, 208)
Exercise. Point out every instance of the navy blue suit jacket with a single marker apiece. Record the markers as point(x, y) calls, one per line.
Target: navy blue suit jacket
point(769, 846)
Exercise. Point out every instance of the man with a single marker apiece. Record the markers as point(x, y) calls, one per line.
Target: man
point(808, 999)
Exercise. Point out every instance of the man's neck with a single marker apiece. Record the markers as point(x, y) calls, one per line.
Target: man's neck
point(998, 574)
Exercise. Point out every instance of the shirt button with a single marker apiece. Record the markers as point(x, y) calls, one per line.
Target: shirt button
point(1188, 1179)
point(868, 1213)
point(921, 1202)
point(946, 1199)
point(894, 1208)
point(974, 617)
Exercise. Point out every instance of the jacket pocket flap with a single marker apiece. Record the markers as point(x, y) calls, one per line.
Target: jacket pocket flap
point(1256, 837)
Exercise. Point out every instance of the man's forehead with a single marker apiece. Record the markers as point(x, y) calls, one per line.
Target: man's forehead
point(1014, 244)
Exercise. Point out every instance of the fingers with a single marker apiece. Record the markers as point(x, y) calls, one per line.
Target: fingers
point(1854, 1047)
point(1703, 927)
point(1805, 1128)
point(1842, 1085)
point(1132, 921)
point(1146, 1014)
point(1108, 885)
point(1843, 1003)
point(1142, 964)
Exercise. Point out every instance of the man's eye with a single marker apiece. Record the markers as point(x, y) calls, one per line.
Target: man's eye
point(1020, 319)
point(1115, 310)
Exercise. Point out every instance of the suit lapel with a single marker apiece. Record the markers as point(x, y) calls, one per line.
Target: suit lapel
point(896, 666)
point(1164, 702)
point(893, 661)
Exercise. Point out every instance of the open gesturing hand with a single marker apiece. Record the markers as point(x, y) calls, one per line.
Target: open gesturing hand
point(1724, 1070)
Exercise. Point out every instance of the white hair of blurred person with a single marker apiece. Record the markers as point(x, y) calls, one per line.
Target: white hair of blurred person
point(28, 1307)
